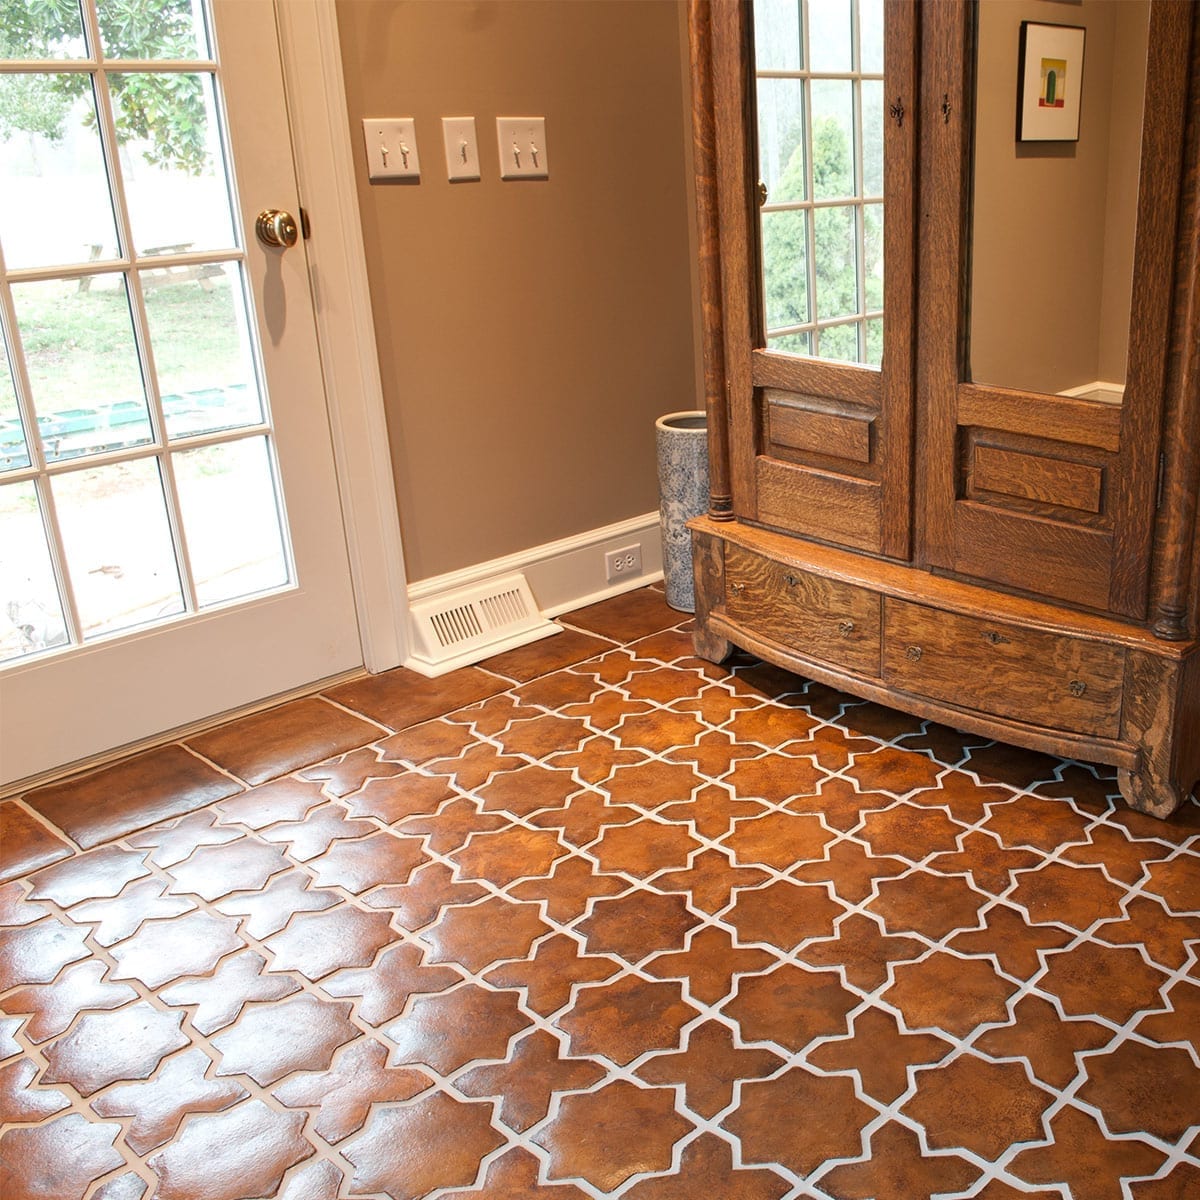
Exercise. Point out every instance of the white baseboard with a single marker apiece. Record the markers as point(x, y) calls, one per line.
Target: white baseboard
point(566, 574)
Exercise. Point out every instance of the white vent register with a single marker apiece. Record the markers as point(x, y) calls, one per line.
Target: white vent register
point(457, 628)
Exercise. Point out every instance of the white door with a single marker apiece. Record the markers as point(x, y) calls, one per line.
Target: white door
point(171, 541)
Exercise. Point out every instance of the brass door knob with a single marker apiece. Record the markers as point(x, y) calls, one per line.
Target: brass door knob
point(275, 227)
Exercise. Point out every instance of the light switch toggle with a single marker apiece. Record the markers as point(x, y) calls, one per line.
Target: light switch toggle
point(391, 145)
point(522, 145)
point(462, 150)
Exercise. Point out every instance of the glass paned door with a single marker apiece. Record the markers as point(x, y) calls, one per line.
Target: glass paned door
point(144, 470)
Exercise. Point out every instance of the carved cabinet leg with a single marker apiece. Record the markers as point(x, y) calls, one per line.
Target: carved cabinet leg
point(708, 566)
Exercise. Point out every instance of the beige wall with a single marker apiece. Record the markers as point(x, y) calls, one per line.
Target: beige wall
point(1052, 248)
point(529, 332)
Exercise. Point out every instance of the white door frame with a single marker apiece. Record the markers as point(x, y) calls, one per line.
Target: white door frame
point(325, 168)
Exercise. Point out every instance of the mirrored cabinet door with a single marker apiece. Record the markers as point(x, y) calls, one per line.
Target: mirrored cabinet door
point(1046, 291)
point(815, 128)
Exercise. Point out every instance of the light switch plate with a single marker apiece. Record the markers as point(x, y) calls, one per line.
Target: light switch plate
point(522, 145)
point(391, 144)
point(462, 150)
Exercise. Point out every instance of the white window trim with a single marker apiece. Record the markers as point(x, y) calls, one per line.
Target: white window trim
point(316, 97)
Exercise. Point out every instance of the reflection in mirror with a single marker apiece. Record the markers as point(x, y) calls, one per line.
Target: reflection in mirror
point(1053, 222)
point(819, 89)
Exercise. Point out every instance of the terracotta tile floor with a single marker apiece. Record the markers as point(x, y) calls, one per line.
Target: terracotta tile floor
point(597, 919)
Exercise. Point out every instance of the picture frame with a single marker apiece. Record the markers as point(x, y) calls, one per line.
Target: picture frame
point(1049, 82)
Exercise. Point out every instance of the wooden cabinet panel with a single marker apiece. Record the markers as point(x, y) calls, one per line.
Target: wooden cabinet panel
point(817, 617)
point(819, 504)
point(794, 425)
point(1056, 482)
point(1023, 674)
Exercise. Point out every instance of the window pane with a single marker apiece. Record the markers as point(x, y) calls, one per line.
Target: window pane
point(55, 206)
point(872, 110)
point(83, 365)
point(200, 334)
point(870, 36)
point(31, 616)
point(833, 139)
point(164, 29)
point(41, 31)
point(13, 453)
point(840, 343)
point(785, 268)
point(777, 35)
point(172, 162)
point(781, 139)
point(873, 251)
point(231, 519)
point(875, 342)
point(791, 343)
point(118, 545)
point(834, 260)
point(829, 36)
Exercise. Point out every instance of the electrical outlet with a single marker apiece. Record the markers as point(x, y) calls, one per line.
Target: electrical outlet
point(620, 564)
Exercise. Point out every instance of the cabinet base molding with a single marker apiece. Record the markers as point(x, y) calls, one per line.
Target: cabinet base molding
point(1026, 672)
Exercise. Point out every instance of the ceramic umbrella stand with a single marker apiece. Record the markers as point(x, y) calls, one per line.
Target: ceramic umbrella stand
point(682, 443)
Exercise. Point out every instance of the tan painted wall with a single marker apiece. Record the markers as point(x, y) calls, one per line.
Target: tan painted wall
point(529, 332)
point(1053, 222)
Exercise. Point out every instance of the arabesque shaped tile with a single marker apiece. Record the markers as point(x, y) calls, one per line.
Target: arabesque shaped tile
point(410, 1150)
point(839, 803)
point(1077, 897)
point(791, 1006)
point(173, 841)
point(122, 1187)
point(949, 993)
point(967, 799)
point(931, 905)
point(1177, 882)
point(652, 785)
point(480, 934)
point(405, 795)
point(473, 767)
point(784, 914)
point(1114, 983)
point(156, 1108)
point(897, 1169)
point(385, 988)
point(348, 772)
point(613, 1133)
point(104, 1047)
point(584, 817)
point(1000, 762)
point(852, 870)
point(164, 950)
point(23, 1103)
point(57, 1160)
point(712, 811)
point(539, 1068)
point(1182, 1023)
point(115, 919)
point(343, 1095)
point(862, 950)
point(882, 1052)
point(975, 1104)
point(1083, 1158)
point(778, 840)
point(709, 964)
point(15, 909)
point(890, 769)
point(450, 827)
point(217, 999)
point(567, 691)
point(989, 864)
point(658, 731)
point(542, 735)
point(706, 1168)
point(910, 831)
point(775, 778)
point(92, 876)
point(999, 1190)
point(713, 754)
point(319, 1180)
point(644, 848)
point(623, 1020)
point(429, 890)
point(493, 715)
point(514, 1176)
point(27, 843)
point(666, 684)
point(1038, 824)
point(716, 705)
point(306, 839)
point(243, 1151)
point(710, 880)
point(527, 790)
point(317, 944)
point(53, 1006)
point(771, 726)
point(1041, 1036)
point(667, 646)
point(288, 799)
point(447, 1030)
point(1146, 922)
point(506, 855)
point(1177, 1184)
point(266, 912)
point(216, 871)
point(432, 739)
point(273, 1039)
point(799, 1120)
point(1124, 859)
point(1144, 1089)
point(597, 759)
point(551, 971)
point(709, 1066)
point(1016, 945)
point(636, 925)
point(36, 953)
point(359, 865)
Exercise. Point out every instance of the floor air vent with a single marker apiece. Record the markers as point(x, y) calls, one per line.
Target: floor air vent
point(457, 628)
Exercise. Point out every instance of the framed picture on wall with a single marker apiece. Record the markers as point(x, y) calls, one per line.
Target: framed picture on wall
point(1049, 82)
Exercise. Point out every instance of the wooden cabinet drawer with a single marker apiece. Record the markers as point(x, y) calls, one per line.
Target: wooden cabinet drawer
point(817, 617)
point(1026, 675)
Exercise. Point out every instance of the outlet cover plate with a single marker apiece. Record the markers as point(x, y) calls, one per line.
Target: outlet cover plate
point(462, 150)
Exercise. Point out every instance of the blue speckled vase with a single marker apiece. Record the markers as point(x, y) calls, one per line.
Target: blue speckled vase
point(682, 443)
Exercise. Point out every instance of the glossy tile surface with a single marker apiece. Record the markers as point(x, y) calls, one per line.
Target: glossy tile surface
point(596, 918)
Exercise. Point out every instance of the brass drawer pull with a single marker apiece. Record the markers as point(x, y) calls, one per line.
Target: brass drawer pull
point(1077, 687)
point(995, 638)
point(845, 628)
point(737, 588)
point(791, 580)
point(914, 653)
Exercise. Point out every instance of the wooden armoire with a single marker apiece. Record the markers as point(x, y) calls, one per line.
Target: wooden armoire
point(923, 490)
